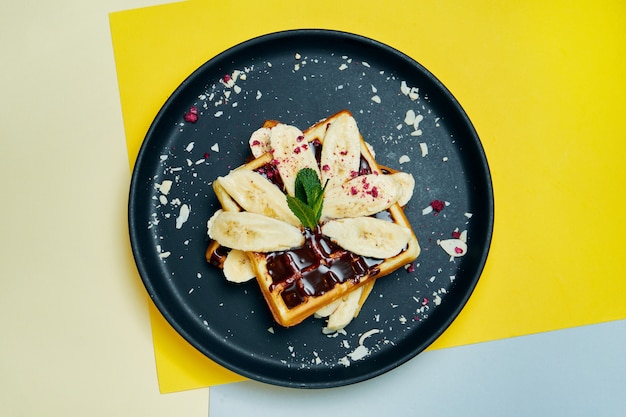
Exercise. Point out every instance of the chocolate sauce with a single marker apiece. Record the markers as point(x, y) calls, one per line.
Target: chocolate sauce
point(315, 268)
point(218, 256)
point(270, 172)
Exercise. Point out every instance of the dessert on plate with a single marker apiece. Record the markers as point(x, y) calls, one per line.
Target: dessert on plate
point(314, 219)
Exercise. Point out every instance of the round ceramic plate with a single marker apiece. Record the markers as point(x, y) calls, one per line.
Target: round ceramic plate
point(299, 77)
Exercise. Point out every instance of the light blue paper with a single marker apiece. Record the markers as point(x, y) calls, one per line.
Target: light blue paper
point(566, 373)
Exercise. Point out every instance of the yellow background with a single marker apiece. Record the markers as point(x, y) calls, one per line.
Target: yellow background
point(543, 83)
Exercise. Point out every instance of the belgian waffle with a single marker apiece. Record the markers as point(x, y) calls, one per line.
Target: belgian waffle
point(298, 282)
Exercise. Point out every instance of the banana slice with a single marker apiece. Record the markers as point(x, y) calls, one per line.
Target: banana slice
point(345, 312)
point(367, 289)
point(361, 196)
point(291, 153)
point(328, 309)
point(407, 185)
point(224, 198)
point(256, 194)
point(237, 267)
point(341, 152)
point(252, 232)
point(260, 141)
point(368, 236)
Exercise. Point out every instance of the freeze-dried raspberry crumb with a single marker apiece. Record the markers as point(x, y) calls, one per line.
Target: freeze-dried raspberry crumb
point(325, 167)
point(297, 150)
point(226, 78)
point(458, 250)
point(410, 267)
point(437, 205)
point(192, 115)
point(191, 118)
point(206, 155)
point(456, 234)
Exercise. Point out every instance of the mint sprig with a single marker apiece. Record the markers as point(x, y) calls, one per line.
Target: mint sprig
point(306, 203)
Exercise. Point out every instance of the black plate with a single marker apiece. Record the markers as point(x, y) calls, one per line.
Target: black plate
point(300, 77)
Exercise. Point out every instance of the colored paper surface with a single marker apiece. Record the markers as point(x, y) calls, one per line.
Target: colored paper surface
point(542, 82)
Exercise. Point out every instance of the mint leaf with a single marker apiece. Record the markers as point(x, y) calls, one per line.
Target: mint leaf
point(318, 201)
point(303, 212)
point(307, 185)
point(300, 190)
point(306, 204)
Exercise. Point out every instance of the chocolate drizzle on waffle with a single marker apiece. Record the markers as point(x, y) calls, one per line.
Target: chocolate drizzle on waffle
point(315, 268)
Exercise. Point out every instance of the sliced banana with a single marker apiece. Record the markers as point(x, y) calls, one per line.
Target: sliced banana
point(345, 312)
point(224, 198)
point(291, 153)
point(367, 289)
point(260, 141)
point(371, 149)
point(328, 309)
point(368, 236)
point(407, 185)
point(341, 151)
point(237, 267)
point(252, 232)
point(256, 194)
point(361, 196)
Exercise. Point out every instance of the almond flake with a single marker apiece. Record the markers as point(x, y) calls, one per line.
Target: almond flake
point(424, 149)
point(409, 118)
point(404, 88)
point(416, 122)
